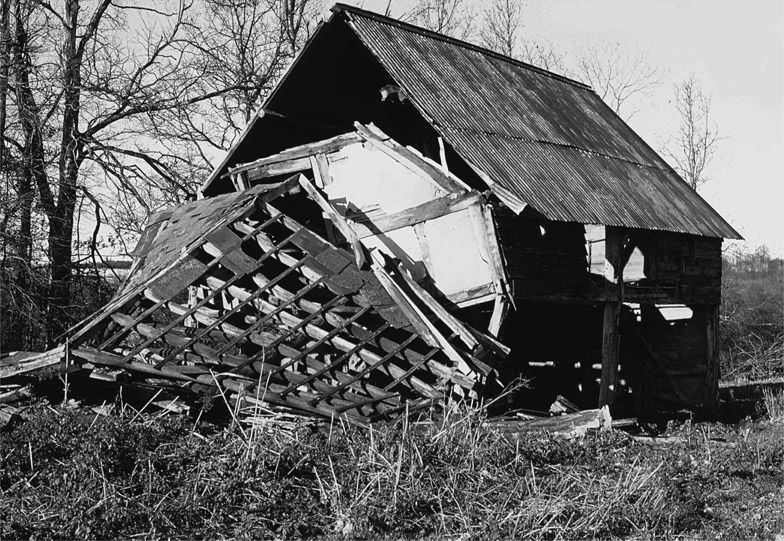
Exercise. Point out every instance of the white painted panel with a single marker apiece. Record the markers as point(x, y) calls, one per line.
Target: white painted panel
point(456, 262)
point(367, 180)
point(402, 244)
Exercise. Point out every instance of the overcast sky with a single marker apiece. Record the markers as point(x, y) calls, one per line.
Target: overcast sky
point(736, 51)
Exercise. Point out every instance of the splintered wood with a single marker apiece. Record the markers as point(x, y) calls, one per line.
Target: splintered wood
point(230, 296)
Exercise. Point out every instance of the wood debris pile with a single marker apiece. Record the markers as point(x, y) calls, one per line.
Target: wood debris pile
point(231, 296)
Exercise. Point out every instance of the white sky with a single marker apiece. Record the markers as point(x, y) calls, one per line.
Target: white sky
point(736, 51)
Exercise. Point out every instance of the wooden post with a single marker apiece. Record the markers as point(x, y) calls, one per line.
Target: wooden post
point(712, 358)
point(614, 243)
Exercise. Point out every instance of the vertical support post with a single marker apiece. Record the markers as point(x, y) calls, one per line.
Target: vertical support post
point(614, 243)
point(712, 358)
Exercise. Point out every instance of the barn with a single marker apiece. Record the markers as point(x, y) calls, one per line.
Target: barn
point(411, 220)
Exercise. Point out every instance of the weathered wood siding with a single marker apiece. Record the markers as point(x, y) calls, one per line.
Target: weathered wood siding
point(544, 260)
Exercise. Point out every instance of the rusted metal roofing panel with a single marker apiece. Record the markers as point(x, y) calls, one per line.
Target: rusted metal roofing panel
point(579, 186)
point(543, 139)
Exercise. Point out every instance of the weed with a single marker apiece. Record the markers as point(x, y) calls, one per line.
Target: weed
point(445, 477)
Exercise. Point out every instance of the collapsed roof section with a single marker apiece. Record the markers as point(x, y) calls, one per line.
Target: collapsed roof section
point(233, 295)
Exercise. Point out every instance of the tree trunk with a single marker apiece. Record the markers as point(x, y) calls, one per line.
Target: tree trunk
point(61, 222)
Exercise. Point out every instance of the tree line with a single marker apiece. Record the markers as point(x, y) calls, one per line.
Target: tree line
point(112, 109)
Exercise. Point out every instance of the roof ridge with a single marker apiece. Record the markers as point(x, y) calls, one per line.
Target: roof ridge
point(340, 7)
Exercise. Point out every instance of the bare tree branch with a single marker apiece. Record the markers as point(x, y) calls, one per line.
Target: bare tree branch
point(698, 135)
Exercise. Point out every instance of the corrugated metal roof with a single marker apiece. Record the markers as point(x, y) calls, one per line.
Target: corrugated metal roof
point(543, 139)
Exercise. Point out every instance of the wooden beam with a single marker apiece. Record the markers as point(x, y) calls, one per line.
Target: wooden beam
point(611, 322)
point(302, 152)
point(712, 359)
point(413, 161)
point(610, 349)
point(22, 363)
point(368, 227)
point(367, 370)
point(288, 167)
point(339, 221)
point(227, 314)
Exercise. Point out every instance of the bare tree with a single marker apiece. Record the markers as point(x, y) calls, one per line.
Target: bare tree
point(503, 32)
point(617, 76)
point(102, 94)
point(449, 17)
point(698, 135)
point(81, 91)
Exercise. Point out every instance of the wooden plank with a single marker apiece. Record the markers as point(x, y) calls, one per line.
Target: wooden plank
point(439, 339)
point(570, 425)
point(414, 367)
point(346, 356)
point(366, 354)
point(326, 146)
point(22, 363)
point(371, 357)
point(293, 323)
point(468, 335)
point(406, 306)
point(318, 343)
point(287, 167)
point(368, 227)
point(239, 293)
point(201, 332)
point(500, 309)
point(103, 358)
point(323, 368)
point(130, 324)
point(712, 359)
point(475, 295)
point(367, 370)
point(337, 220)
point(611, 321)
point(414, 162)
point(185, 313)
point(496, 257)
point(320, 167)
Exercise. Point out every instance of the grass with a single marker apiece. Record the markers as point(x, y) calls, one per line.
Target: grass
point(131, 475)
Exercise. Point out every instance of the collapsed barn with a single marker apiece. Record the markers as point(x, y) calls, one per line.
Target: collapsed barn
point(411, 220)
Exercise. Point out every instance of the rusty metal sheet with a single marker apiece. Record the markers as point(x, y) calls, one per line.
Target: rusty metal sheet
point(543, 139)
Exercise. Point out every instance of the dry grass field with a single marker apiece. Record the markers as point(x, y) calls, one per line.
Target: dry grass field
point(73, 474)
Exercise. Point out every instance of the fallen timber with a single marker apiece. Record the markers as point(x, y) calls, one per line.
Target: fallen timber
point(231, 297)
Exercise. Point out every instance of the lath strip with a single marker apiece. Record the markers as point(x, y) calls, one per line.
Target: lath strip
point(261, 321)
point(318, 343)
point(228, 313)
point(346, 356)
point(368, 369)
point(414, 367)
point(127, 328)
point(213, 293)
point(259, 354)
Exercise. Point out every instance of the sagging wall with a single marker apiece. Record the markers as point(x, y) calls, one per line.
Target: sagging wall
point(370, 187)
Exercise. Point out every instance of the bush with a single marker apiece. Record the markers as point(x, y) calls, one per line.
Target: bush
point(752, 317)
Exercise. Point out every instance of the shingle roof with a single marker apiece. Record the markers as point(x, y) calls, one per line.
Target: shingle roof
point(543, 140)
